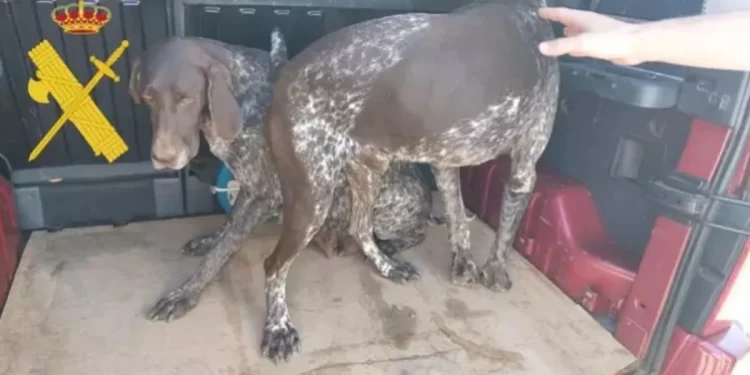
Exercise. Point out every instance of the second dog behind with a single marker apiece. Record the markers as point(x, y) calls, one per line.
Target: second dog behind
point(197, 85)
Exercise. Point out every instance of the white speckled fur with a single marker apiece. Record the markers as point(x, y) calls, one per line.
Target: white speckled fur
point(347, 106)
point(402, 210)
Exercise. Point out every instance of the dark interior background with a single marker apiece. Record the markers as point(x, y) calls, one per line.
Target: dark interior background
point(583, 146)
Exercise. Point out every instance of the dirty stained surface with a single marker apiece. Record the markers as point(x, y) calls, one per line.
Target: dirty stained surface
point(78, 304)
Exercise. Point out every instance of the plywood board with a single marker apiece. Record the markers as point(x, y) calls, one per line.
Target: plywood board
point(78, 304)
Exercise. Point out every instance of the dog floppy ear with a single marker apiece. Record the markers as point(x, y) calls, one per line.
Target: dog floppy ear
point(135, 81)
point(222, 106)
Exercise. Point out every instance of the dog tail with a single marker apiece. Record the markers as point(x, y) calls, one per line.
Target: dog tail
point(278, 53)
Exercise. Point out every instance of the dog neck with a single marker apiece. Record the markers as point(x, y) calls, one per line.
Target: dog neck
point(226, 150)
point(248, 150)
point(251, 70)
point(251, 75)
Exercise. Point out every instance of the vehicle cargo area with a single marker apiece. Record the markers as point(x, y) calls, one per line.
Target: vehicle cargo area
point(78, 305)
point(601, 255)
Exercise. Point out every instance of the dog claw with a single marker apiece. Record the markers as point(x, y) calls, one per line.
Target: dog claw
point(495, 277)
point(402, 272)
point(201, 245)
point(463, 270)
point(173, 306)
point(280, 342)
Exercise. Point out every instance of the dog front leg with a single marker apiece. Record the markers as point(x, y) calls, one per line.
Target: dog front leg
point(463, 269)
point(201, 245)
point(246, 214)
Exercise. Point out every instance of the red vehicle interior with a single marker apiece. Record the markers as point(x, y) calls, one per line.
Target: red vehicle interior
point(10, 238)
point(599, 239)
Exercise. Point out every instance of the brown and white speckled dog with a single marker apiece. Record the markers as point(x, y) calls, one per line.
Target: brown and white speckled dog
point(195, 85)
point(450, 90)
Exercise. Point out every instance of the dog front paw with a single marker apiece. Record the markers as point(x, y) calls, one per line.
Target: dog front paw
point(495, 276)
point(201, 245)
point(174, 305)
point(463, 270)
point(280, 342)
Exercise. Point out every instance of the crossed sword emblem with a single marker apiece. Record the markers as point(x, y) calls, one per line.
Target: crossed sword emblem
point(75, 101)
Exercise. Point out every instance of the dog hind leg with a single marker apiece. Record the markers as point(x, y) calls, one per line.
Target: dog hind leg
point(516, 196)
point(307, 189)
point(403, 209)
point(402, 231)
point(463, 269)
point(302, 220)
point(364, 175)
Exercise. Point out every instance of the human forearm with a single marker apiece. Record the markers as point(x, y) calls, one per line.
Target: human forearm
point(709, 41)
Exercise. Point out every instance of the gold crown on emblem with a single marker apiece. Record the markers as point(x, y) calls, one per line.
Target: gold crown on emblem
point(80, 18)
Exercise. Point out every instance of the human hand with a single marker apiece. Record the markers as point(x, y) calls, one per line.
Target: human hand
point(588, 34)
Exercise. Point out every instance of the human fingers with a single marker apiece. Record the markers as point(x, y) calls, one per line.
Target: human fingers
point(600, 45)
point(563, 46)
point(612, 46)
point(571, 31)
point(560, 14)
point(580, 19)
point(568, 16)
point(625, 61)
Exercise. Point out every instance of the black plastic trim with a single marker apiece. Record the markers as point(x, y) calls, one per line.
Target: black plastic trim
point(623, 84)
point(678, 192)
point(715, 95)
point(82, 195)
point(179, 22)
point(87, 173)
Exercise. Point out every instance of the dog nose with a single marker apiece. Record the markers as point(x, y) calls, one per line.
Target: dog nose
point(163, 153)
point(162, 161)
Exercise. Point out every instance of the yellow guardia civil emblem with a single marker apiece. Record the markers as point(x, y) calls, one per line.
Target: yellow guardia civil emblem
point(54, 77)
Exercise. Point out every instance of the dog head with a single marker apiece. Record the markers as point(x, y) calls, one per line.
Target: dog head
point(186, 82)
